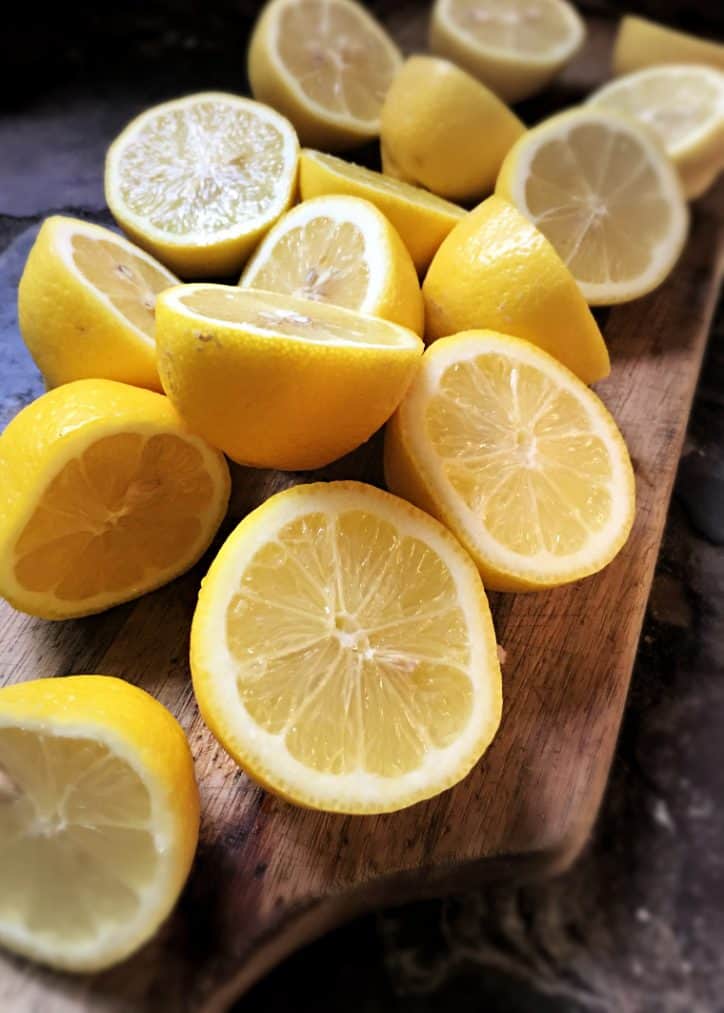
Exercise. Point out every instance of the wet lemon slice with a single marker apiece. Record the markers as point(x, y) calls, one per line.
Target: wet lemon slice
point(105, 495)
point(326, 64)
point(643, 43)
point(197, 181)
point(521, 460)
point(87, 302)
point(99, 818)
point(342, 650)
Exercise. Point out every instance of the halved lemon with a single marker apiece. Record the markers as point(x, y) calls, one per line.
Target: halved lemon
point(342, 651)
point(422, 219)
point(87, 302)
point(603, 191)
point(643, 43)
point(340, 250)
point(515, 46)
point(519, 458)
point(198, 180)
point(106, 494)
point(326, 64)
point(280, 382)
point(684, 105)
point(99, 818)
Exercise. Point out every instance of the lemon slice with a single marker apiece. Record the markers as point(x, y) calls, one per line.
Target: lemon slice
point(643, 43)
point(105, 495)
point(521, 460)
point(684, 105)
point(197, 181)
point(87, 302)
point(422, 219)
point(342, 651)
point(326, 64)
point(515, 47)
point(340, 250)
point(280, 382)
point(604, 193)
point(99, 818)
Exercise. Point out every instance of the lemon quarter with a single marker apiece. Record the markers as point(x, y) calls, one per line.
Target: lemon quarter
point(643, 43)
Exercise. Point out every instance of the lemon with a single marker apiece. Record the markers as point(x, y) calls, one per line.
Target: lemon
point(643, 43)
point(603, 191)
point(684, 105)
point(340, 250)
point(99, 818)
point(443, 130)
point(422, 219)
point(199, 180)
point(86, 305)
point(517, 457)
point(105, 495)
point(280, 382)
point(514, 47)
point(342, 651)
point(326, 64)
point(497, 270)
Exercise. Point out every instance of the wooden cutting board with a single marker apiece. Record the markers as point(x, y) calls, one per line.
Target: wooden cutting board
point(269, 877)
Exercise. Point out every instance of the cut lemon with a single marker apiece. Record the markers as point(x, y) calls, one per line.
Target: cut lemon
point(326, 64)
point(280, 382)
point(422, 219)
point(342, 651)
point(99, 818)
point(105, 495)
point(515, 47)
point(602, 190)
point(520, 460)
point(433, 120)
point(197, 181)
point(497, 270)
point(643, 43)
point(684, 105)
point(340, 250)
point(86, 305)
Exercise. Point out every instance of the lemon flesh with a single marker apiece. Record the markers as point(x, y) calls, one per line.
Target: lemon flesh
point(342, 650)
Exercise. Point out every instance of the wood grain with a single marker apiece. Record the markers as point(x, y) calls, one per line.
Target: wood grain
point(269, 877)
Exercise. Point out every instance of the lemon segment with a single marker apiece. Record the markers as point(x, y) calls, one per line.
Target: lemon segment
point(642, 43)
point(86, 305)
point(276, 381)
point(517, 457)
point(197, 181)
point(99, 819)
point(515, 47)
point(443, 130)
point(106, 495)
point(422, 219)
point(326, 64)
point(340, 250)
point(603, 191)
point(496, 270)
point(684, 105)
point(342, 651)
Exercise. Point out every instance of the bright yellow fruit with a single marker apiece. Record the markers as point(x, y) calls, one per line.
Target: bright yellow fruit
point(684, 105)
point(603, 191)
point(422, 219)
point(326, 64)
point(342, 651)
point(105, 495)
point(443, 130)
point(100, 818)
point(280, 382)
point(86, 305)
point(642, 43)
point(496, 270)
point(199, 180)
point(514, 47)
point(340, 250)
point(517, 457)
